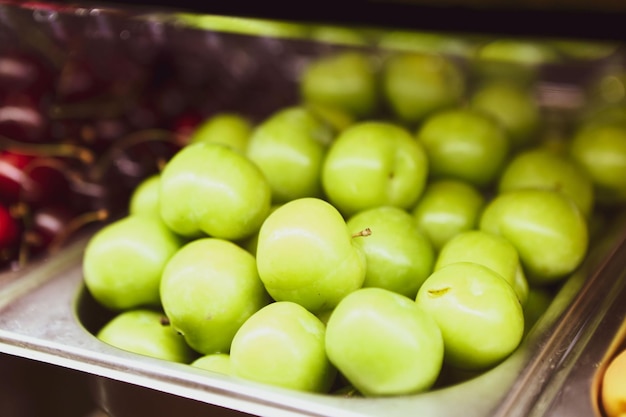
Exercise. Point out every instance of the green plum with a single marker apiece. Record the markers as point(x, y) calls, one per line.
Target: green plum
point(546, 227)
point(398, 254)
point(425, 42)
point(584, 49)
point(245, 25)
point(215, 362)
point(417, 85)
point(337, 119)
point(447, 208)
point(289, 148)
point(513, 59)
point(123, 262)
point(372, 164)
point(545, 169)
point(478, 313)
point(145, 332)
point(306, 254)
point(601, 150)
point(521, 51)
point(464, 144)
point(514, 106)
point(208, 290)
point(283, 345)
point(211, 189)
point(337, 35)
point(487, 249)
point(346, 81)
point(384, 343)
point(230, 129)
point(145, 197)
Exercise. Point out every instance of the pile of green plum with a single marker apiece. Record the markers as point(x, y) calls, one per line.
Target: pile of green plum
point(397, 225)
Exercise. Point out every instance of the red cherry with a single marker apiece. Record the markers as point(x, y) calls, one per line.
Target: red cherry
point(22, 118)
point(25, 72)
point(52, 226)
point(185, 124)
point(47, 223)
point(9, 228)
point(32, 180)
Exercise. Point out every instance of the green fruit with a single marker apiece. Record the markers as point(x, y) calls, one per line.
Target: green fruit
point(601, 150)
point(373, 164)
point(399, 256)
point(384, 343)
point(229, 129)
point(546, 227)
point(480, 317)
point(346, 81)
point(464, 144)
point(208, 188)
point(514, 106)
point(145, 198)
point(424, 42)
point(307, 255)
point(289, 148)
point(584, 49)
point(525, 52)
point(124, 260)
point(417, 85)
point(337, 35)
point(283, 345)
point(489, 250)
point(245, 25)
point(144, 332)
point(545, 169)
point(209, 289)
point(515, 60)
point(447, 208)
point(215, 362)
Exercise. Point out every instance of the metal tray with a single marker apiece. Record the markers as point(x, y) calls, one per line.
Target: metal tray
point(47, 315)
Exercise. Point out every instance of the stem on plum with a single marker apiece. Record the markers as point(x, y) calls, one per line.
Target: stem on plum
point(363, 233)
point(439, 292)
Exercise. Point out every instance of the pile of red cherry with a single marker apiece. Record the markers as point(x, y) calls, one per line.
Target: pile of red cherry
point(74, 140)
point(91, 101)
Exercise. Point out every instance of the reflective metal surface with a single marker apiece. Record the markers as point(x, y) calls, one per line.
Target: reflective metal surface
point(48, 319)
point(46, 313)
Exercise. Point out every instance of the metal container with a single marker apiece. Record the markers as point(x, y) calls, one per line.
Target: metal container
point(47, 317)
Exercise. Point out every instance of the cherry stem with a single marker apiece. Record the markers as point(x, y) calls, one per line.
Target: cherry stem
point(34, 37)
point(19, 210)
point(75, 224)
point(133, 139)
point(365, 232)
point(58, 149)
point(108, 107)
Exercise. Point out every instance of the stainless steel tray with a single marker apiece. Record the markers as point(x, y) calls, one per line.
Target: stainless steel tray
point(47, 315)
